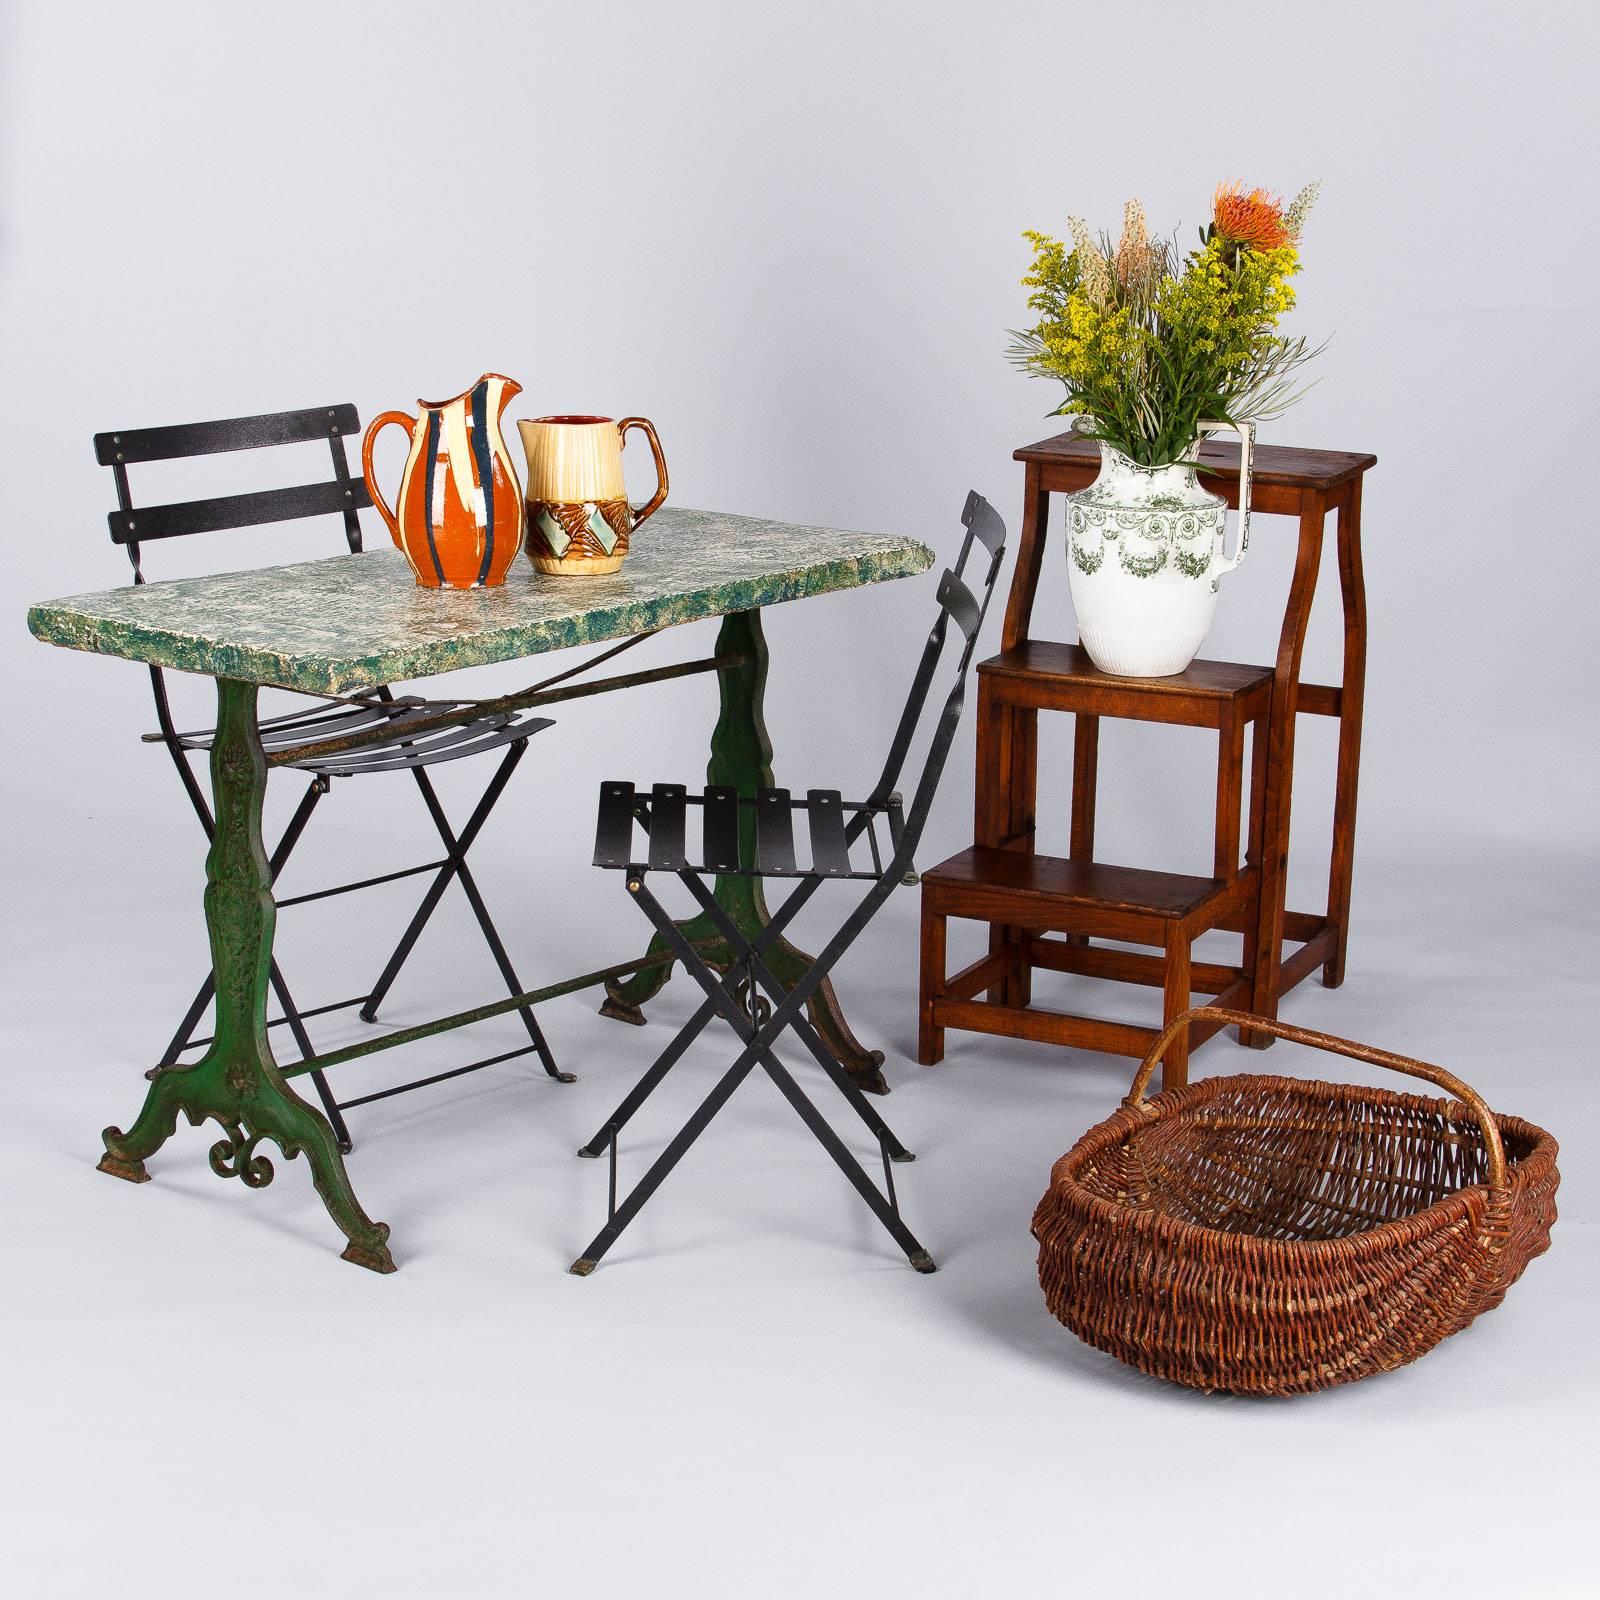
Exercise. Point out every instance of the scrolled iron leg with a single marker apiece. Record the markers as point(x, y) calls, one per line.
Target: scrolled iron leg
point(237, 1083)
point(625, 997)
point(156, 1123)
point(368, 1240)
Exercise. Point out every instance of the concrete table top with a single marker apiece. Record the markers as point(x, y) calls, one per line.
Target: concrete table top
point(354, 621)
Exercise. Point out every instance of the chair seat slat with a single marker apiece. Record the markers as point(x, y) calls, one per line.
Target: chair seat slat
point(313, 722)
point(667, 806)
point(302, 730)
point(393, 758)
point(613, 834)
point(830, 855)
point(432, 739)
point(720, 807)
point(774, 831)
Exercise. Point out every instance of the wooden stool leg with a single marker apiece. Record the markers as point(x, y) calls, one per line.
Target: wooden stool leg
point(1268, 977)
point(1230, 794)
point(1353, 589)
point(1024, 804)
point(1085, 784)
point(1085, 792)
point(1021, 780)
point(1175, 1001)
point(1252, 855)
point(1016, 822)
point(930, 1037)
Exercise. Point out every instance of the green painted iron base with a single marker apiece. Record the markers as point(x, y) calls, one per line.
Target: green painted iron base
point(741, 755)
point(237, 1083)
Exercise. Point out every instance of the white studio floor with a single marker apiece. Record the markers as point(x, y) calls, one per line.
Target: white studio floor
point(754, 1394)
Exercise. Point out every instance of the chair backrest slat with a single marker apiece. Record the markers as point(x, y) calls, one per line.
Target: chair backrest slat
point(131, 527)
point(984, 522)
point(957, 599)
point(237, 510)
point(129, 445)
point(343, 495)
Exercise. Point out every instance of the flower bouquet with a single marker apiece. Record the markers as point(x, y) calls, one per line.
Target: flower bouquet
point(1156, 349)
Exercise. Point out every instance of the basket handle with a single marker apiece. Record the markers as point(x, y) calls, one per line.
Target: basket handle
point(1344, 1047)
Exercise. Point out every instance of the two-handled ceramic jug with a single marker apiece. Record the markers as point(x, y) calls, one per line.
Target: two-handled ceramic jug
point(459, 516)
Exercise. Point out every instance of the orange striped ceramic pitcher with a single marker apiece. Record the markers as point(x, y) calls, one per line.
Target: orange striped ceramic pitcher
point(459, 517)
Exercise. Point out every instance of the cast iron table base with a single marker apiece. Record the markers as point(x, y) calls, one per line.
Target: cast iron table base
point(237, 1082)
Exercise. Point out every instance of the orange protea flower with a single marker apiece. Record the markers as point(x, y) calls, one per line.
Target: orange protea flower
point(1254, 218)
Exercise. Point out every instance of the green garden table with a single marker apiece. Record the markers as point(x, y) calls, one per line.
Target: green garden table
point(348, 624)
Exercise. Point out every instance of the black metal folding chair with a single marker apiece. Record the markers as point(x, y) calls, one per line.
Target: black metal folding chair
point(749, 998)
point(326, 720)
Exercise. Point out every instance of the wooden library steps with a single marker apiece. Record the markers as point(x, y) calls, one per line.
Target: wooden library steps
point(1023, 895)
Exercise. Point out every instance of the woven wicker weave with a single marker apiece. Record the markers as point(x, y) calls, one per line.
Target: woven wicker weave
point(1273, 1236)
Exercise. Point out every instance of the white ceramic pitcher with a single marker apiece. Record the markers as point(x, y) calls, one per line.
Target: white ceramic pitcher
point(1145, 558)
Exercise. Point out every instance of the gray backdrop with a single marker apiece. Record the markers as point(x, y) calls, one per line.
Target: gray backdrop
point(794, 242)
point(791, 236)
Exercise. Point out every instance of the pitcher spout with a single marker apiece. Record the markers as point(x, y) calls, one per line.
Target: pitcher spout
point(499, 388)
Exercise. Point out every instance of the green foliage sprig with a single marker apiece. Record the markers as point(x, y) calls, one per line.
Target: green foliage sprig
point(1148, 346)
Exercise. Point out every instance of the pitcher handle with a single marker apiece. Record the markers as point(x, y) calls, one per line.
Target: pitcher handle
point(374, 428)
point(1247, 451)
point(653, 504)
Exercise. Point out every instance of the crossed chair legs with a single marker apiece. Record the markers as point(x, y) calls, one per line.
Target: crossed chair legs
point(758, 1026)
point(452, 868)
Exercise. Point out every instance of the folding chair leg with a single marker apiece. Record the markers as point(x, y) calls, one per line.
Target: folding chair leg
point(191, 1021)
point(758, 1043)
point(686, 1036)
point(297, 1027)
point(646, 1086)
point(801, 1025)
point(885, 1210)
point(456, 846)
point(456, 865)
point(787, 1013)
point(622, 1215)
point(846, 1085)
point(514, 984)
point(457, 850)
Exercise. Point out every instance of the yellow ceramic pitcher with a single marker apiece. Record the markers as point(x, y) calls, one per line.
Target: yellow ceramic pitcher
point(579, 519)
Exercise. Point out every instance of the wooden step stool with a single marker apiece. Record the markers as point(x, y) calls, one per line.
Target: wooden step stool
point(1024, 895)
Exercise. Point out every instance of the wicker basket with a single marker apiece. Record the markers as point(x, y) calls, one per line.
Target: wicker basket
point(1273, 1236)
